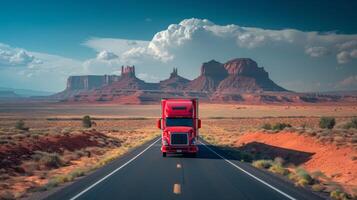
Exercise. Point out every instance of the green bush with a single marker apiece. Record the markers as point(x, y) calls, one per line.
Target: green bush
point(266, 126)
point(20, 125)
point(280, 126)
point(86, 121)
point(327, 122)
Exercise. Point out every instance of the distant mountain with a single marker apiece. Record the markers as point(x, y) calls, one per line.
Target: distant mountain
point(238, 80)
point(26, 92)
point(8, 94)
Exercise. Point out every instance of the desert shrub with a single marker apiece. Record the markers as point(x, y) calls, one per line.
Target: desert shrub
point(302, 177)
point(318, 175)
point(317, 187)
point(87, 121)
point(30, 167)
point(50, 160)
point(20, 125)
point(351, 124)
point(77, 173)
point(6, 195)
point(327, 122)
point(50, 184)
point(338, 195)
point(279, 160)
point(266, 126)
point(280, 126)
point(278, 168)
point(262, 164)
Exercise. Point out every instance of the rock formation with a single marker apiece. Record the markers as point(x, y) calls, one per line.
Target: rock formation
point(246, 76)
point(238, 80)
point(174, 82)
point(212, 73)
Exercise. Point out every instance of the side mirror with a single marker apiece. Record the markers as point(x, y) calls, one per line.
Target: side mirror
point(199, 123)
point(158, 123)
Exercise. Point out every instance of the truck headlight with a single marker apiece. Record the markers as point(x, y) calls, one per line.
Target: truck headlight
point(164, 142)
point(193, 141)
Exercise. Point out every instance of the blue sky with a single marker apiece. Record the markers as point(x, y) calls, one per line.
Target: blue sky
point(55, 39)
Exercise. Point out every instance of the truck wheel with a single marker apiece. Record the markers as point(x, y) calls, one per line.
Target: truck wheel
point(163, 154)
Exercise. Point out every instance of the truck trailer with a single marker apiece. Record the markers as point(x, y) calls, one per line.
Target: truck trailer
point(179, 123)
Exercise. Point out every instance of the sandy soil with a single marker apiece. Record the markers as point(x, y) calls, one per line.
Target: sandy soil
point(37, 110)
point(130, 125)
point(27, 157)
point(339, 163)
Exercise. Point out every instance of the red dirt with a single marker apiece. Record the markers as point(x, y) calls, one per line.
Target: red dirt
point(12, 155)
point(335, 162)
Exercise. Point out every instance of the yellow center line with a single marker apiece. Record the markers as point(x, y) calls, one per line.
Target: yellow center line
point(177, 188)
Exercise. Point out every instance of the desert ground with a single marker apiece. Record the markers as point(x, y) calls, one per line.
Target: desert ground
point(53, 147)
point(56, 110)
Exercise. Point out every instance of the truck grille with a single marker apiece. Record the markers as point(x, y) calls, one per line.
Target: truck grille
point(179, 139)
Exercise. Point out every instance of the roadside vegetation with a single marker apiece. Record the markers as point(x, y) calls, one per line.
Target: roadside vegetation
point(225, 134)
point(57, 151)
point(87, 121)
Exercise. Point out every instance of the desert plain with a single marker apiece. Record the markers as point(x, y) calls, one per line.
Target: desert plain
point(53, 148)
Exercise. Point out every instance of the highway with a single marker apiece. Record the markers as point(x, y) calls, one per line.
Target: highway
point(144, 174)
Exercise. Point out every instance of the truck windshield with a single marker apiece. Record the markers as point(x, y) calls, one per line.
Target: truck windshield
point(179, 122)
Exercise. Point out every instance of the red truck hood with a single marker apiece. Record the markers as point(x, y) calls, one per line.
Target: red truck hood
point(178, 129)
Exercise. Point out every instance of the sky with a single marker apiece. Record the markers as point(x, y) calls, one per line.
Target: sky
point(304, 45)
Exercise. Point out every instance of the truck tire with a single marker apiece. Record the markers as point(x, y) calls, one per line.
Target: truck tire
point(163, 154)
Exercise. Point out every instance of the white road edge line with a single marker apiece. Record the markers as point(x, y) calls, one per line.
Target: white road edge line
point(251, 175)
point(111, 173)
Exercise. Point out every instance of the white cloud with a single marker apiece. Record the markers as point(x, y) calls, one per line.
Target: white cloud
point(186, 45)
point(352, 44)
point(343, 57)
point(316, 51)
point(106, 55)
point(168, 44)
point(349, 83)
point(114, 45)
point(148, 77)
point(10, 56)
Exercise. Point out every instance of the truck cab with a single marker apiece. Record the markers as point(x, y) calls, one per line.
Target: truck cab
point(179, 123)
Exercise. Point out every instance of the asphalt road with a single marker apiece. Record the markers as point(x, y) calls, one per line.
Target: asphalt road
point(145, 174)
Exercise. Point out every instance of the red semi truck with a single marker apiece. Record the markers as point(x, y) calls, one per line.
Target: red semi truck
point(179, 123)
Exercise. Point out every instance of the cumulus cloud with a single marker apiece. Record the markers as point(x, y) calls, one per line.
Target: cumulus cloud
point(343, 57)
point(105, 62)
point(10, 56)
point(316, 51)
point(177, 38)
point(114, 45)
point(349, 83)
point(192, 41)
point(106, 55)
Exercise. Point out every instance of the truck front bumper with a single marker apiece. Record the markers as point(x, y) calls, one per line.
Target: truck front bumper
point(179, 149)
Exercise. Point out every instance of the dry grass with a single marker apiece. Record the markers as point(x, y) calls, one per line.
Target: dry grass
point(226, 133)
point(118, 128)
point(72, 151)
